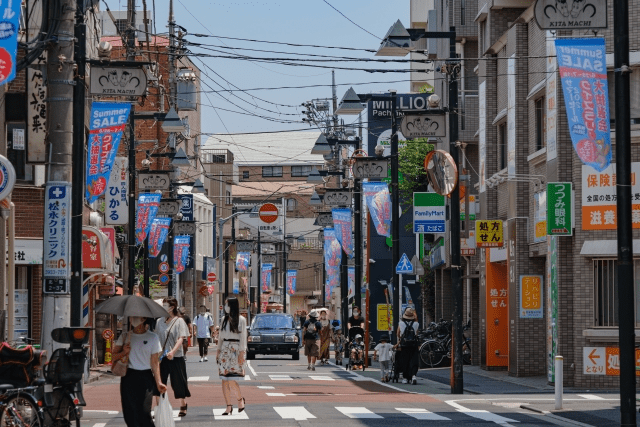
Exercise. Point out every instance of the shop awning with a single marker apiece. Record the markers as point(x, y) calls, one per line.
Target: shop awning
point(605, 248)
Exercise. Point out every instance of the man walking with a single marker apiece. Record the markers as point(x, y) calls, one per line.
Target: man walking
point(310, 333)
point(203, 324)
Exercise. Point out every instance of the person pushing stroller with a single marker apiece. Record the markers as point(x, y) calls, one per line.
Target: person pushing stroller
point(338, 344)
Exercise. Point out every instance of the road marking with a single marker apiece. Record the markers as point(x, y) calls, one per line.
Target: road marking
point(481, 414)
point(266, 387)
point(198, 379)
point(99, 424)
point(217, 414)
point(422, 414)
point(251, 369)
point(357, 412)
point(276, 394)
point(280, 378)
point(298, 413)
point(321, 378)
point(247, 377)
point(101, 411)
point(591, 397)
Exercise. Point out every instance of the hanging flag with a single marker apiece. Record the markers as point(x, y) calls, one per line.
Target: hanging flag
point(9, 25)
point(158, 235)
point(236, 285)
point(379, 204)
point(242, 261)
point(291, 281)
point(107, 123)
point(342, 227)
point(351, 274)
point(327, 292)
point(147, 209)
point(332, 250)
point(265, 277)
point(583, 72)
point(180, 253)
point(407, 297)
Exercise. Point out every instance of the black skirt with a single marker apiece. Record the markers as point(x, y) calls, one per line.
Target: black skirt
point(175, 370)
point(136, 394)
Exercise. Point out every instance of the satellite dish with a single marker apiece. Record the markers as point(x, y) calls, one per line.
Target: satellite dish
point(442, 172)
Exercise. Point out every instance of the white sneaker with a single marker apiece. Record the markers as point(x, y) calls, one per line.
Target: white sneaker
point(205, 359)
point(201, 359)
point(404, 381)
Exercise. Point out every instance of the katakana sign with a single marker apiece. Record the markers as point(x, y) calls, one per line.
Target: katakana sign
point(559, 209)
point(9, 24)
point(489, 234)
point(531, 297)
point(57, 230)
point(429, 213)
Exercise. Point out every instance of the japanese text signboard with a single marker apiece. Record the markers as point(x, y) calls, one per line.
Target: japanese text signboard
point(489, 234)
point(147, 210)
point(604, 361)
point(291, 281)
point(583, 73)
point(108, 120)
point(559, 209)
point(599, 198)
point(116, 199)
point(429, 213)
point(531, 297)
point(9, 23)
point(57, 230)
point(36, 111)
point(158, 235)
point(180, 253)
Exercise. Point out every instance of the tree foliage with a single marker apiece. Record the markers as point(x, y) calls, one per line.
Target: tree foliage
point(411, 166)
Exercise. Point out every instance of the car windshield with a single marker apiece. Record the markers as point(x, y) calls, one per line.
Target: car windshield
point(272, 322)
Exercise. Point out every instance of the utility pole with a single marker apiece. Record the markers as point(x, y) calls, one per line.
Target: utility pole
point(284, 255)
point(395, 214)
point(625, 236)
point(131, 239)
point(60, 72)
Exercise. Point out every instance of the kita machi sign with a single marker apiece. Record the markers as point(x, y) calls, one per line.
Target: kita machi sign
point(423, 125)
point(571, 14)
point(129, 81)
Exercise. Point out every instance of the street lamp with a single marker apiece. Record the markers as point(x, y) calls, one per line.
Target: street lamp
point(180, 159)
point(172, 122)
point(315, 199)
point(350, 104)
point(321, 146)
point(397, 41)
point(314, 176)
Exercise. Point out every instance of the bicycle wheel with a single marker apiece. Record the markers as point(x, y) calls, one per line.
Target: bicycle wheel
point(19, 411)
point(466, 352)
point(431, 353)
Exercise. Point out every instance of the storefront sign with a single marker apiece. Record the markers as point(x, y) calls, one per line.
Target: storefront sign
point(551, 98)
point(26, 251)
point(468, 245)
point(472, 208)
point(604, 361)
point(552, 305)
point(429, 213)
point(599, 197)
point(385, 317)
point(511, 115)
point(186, 206)
point(57, 229)
point(116, 199)
point(147, 209)
point(9, 24)
point(531, 297)
point(559, 209)
point(36, 111)
point(540, 217)
point(482, 135)
point(489, 234)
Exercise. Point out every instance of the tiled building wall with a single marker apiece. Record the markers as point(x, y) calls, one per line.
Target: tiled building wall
point(255, 174)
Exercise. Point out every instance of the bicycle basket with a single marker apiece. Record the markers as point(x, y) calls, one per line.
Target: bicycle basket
point(64, 368)
point(19, 367)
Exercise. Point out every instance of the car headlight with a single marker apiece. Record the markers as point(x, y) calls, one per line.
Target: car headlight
point(291, 338)
point(254, 338)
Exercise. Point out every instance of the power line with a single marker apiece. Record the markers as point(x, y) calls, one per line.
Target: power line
point(348, 19)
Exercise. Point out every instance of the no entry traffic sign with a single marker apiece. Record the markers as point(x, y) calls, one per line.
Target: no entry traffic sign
point(268, 213)
point(211, 277)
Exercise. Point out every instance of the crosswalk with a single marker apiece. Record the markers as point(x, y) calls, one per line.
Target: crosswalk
point(277, 377)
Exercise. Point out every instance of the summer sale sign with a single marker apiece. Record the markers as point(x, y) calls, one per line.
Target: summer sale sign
point(342, 227)
point(158, 235)
point(148, 204)
point(180, 253)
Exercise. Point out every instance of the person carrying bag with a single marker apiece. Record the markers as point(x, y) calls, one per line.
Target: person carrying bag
point(408, 361)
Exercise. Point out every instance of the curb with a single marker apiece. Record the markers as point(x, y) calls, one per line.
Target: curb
point(563, 420)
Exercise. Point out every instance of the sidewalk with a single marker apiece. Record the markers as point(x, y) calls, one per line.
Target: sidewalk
point(581, 412)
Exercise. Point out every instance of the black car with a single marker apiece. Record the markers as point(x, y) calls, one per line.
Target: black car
point(273, 333)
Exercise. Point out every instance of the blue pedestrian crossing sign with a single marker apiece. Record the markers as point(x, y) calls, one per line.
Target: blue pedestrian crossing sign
point(404, 266)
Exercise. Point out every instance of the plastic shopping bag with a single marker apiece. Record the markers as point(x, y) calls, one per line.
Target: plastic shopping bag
point(163, 413)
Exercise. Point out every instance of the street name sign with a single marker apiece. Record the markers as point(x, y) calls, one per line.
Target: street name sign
point(185, 227)
point(325, 220)
point(169, 207)
point(244, 246)
point(372, 169)
point(423, 125)
point(269, 259)
point(429, 213)
point(110, 81)
point(571, 14)
point(153, 180)
point(293, 264)
point(337, 198)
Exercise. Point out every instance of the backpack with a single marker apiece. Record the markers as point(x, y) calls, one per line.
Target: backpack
point(408, 337)
point(311, 329)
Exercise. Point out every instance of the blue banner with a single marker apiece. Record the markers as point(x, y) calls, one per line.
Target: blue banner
point(583, 72)
point(180, 253)
point(265, 277)
point(9, 25)
point(158, 235)
point(351, 275)
point(291, 281)
point(148, 204)
point(378, 201)
point(243, 259)
point(332, 249)
point(342, 227)
point(107, 123)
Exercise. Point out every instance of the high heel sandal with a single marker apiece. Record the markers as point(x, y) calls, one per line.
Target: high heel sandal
point(243, 403)
point(229, 412)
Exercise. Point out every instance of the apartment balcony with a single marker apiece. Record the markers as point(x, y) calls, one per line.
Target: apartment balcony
point(219, 162)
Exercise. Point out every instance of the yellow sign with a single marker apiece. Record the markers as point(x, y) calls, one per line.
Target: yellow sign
point(489, 234)
point(531, 286)
point(385, 317)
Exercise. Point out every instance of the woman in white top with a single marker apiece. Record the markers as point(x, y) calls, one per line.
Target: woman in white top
point(138, 386)
point(232, 350)
point(408, 362)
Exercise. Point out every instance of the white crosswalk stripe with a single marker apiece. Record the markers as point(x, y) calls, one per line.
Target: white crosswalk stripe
point(481, 414)
point(280, 378)
point(357, 412)
point(99, 424)
point(422, 414)
point(321, 378)
point(217, 414)
point(198, 379)
point(298, 413)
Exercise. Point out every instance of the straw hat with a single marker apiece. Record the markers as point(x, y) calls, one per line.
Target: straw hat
point(313, 313)
point(409, 314)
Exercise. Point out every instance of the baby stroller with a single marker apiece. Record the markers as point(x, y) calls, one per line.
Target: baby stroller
point(395, 373)
point(354, 348)
point(338, 344)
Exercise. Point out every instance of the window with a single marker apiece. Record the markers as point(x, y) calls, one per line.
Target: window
point(502, 146)
point(605, 281)
point(462, 8)
point(121, 26)
point(541, 119)
point(292, 204)
point(229, 201)
point(300, 170)
point(16, 151)
point(634, 88)
point(245, 174)
point(271, 171)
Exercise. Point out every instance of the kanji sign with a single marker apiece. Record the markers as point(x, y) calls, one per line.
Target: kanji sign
point(36, 111)
point(489, 234)
point(559, 209)
point(116, 199)
point(531, 297)
point(57, 230)
point(429, 213)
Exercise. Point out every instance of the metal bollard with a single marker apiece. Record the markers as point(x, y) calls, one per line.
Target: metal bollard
point(558, 381)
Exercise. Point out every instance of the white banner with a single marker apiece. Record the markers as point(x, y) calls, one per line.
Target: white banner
point(116, 200)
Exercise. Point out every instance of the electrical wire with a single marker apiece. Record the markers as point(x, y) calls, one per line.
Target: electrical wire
point(349, 19)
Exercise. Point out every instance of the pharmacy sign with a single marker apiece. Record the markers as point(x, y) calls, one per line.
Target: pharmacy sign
point(559, 209)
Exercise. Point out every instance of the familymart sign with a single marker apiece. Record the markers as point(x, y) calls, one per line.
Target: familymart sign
point(429, 215)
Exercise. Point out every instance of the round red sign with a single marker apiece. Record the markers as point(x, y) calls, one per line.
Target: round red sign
point(211, 277)
point(268, 213)
point(107, 334)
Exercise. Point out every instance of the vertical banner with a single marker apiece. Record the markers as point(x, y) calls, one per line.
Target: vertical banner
point(559, 209)
point(332, 249)
point(291, 281)
point(531, 297)
point(147, 209)
point(342, 227)
point(242, 261)
point(511, 115)
point(116, 199)
point(57, 229)
point(9, 24)
point(180, 253)
point(36, 111)
point(265, 277)
point(236, 285)
point(108, 120)
point(379, 203)
point(158, 235)
point(583, 73)
point(551, 95)
point(482, 135)
point(327, 292)
point(351, 275)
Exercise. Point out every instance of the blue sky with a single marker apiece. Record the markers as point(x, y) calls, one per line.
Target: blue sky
point(304, 22)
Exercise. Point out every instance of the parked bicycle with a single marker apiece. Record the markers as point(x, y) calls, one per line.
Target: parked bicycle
point(436, 344)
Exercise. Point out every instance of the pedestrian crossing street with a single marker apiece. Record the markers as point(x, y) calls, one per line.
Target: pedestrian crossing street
point(275, 377)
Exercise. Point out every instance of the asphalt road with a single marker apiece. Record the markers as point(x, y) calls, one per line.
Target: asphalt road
point(282, 392)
